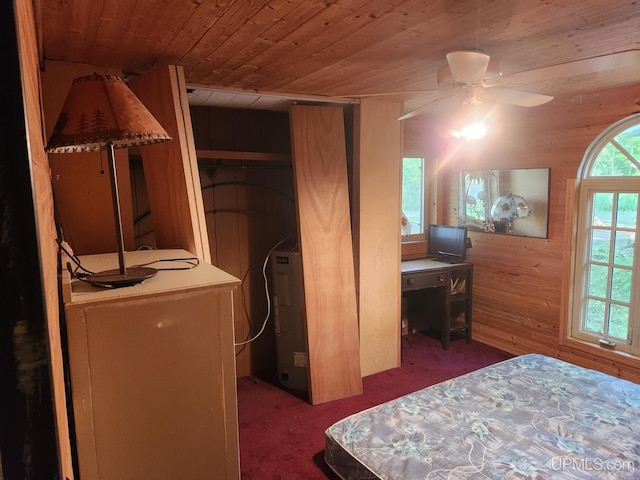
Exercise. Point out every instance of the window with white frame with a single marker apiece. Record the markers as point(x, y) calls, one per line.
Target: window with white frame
point(414, 199)
point(606, 299)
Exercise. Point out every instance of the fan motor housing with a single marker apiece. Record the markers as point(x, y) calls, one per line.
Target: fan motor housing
point(492, 75)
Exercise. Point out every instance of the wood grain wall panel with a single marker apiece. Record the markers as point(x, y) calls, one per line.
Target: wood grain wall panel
point(522, 285)
point(81, 184)
point(273, 220)
point(241, 130)
point(377, 205)
point(46, 235)
point(226, 212)
point(324, 220)
point(249, 208)
point(171, 168)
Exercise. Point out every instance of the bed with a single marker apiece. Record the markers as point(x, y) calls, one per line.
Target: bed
point(529, 417)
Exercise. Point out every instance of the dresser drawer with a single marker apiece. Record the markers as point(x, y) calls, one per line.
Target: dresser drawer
point(423, 280)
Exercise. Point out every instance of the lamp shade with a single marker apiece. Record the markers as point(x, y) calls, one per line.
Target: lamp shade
point(100, 110)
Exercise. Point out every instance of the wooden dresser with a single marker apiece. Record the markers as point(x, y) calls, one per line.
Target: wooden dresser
point(153, 373)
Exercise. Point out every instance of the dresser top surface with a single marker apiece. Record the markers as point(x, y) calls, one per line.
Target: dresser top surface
point(174, 274)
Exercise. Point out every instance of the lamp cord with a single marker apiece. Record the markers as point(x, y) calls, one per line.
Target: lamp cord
point(80, 272)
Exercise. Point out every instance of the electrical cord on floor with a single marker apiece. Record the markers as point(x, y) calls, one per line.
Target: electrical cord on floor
point(266, 289)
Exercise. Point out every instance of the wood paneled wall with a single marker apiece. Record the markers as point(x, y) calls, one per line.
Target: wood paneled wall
point(249, 207)
point(520, 286)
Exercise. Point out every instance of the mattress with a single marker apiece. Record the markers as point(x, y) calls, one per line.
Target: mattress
point(529, 417)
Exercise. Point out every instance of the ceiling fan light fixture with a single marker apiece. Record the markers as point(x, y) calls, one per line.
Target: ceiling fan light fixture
point(474, 122)
point(471, 131)
point(468, 66)
point(492, 75)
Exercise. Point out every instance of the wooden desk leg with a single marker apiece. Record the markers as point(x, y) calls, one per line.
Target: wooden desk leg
point(446, 328)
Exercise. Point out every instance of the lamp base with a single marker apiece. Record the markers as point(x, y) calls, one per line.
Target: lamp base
point(114, 279)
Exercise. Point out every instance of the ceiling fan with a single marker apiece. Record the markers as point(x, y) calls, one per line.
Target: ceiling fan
point(475, 78)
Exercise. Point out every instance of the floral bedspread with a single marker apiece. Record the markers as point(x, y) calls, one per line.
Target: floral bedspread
point(530, 417)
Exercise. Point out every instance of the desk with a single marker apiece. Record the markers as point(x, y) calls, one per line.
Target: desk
point(456, 284)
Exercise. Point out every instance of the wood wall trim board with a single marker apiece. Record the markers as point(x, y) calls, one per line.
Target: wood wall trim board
point(320, 177)
point(171, 169)
point(29, 57)
point(570, 223)
point(377, 174)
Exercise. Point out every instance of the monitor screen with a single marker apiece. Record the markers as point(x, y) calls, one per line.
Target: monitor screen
point(447, 243)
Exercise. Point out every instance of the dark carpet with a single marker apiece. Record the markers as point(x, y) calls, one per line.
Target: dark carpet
point(282, 435)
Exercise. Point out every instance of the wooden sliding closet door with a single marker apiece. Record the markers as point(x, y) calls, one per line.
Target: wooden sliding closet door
point(320, 171)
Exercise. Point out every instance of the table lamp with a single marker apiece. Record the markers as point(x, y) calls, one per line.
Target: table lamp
point(102, 113)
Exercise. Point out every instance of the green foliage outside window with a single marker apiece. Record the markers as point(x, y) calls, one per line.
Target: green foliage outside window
point(413, 192)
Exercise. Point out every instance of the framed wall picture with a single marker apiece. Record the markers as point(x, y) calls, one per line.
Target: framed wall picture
point(510, 202)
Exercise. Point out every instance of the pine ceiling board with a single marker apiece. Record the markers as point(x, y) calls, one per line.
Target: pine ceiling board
point(250, 36)
point(153, 29)
point(56, 31)
point(201, 59)
point(546, 34)
point(190, 23)
point(386, 35)
point(87, 31)
point(311, 39)
point(335, 47)
point(246, 34)
point(114, 18)
point(286, 23)
point(295, 50)
point(133, 26)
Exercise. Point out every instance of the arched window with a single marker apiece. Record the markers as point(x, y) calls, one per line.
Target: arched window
point(606, 292)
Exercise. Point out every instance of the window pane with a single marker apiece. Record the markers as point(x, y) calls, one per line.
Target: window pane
point(600, 245)
point(413, 193)
point(598, 281)
point(602, 208)
point(595, 315)
point(627, 210)
point(606, 265)
point(621, 285)
point(623, 248)
point(618, 321)
point(613, 163)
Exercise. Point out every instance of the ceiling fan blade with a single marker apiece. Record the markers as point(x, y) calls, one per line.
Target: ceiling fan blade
point(585, 66)
point(468, 66)
point(437, 106)
point(387, 94)
point(416, 112)
point(515, 97)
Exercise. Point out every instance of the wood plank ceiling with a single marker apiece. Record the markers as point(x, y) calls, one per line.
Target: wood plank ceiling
point(336, 48)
